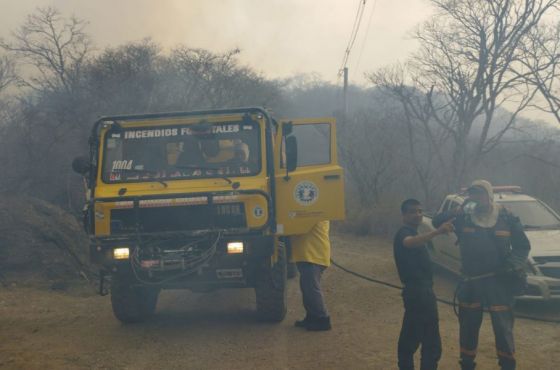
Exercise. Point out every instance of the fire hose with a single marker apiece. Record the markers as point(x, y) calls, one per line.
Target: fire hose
point(452, 303)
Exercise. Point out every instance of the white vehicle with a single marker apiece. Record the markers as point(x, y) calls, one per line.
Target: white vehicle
point(542, 226)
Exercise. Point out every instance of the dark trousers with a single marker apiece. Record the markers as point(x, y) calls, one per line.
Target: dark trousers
point(494, 295)
point(310, 284)
point(420, 326)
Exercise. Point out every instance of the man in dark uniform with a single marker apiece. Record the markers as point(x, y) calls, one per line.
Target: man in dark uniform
point(494, 250)
point(420, 322)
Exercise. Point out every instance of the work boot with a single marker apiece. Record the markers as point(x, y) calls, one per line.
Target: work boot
point(507, 367)
point(430, 366)
point(506, 364)
point(467, 365)
point(303, 323)
point(319, 324)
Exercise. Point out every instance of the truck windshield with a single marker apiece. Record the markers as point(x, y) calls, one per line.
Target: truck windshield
point(161, 153)
point(533, 214)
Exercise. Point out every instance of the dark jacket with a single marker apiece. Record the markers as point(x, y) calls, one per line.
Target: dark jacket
point(489, 250)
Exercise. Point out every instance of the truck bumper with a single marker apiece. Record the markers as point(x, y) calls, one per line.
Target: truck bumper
point(221, 270)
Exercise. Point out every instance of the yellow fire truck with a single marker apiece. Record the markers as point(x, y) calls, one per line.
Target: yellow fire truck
point(202, 200)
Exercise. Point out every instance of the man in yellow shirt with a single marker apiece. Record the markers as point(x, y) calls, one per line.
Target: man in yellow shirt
point(312, 254)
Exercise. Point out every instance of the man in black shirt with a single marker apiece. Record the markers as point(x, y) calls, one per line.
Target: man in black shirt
point(420, 322)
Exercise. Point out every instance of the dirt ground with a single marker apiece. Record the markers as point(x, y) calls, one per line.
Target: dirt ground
point(75, 329)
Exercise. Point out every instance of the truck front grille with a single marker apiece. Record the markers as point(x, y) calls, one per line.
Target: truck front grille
point(178, 218)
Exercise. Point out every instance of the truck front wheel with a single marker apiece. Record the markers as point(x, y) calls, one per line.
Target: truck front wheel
point(132, 303)
point(292, 270)
point(270, 288)
point(291, 267)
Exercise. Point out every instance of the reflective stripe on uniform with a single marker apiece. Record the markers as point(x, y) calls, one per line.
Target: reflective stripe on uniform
point(506, 355)
point(503, 233)
point(499, 308)
point(470, 305)
point(467, 352)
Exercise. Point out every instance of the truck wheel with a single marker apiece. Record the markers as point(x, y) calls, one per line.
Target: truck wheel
point(292, 270)
point(132, 303)
point(270, 288)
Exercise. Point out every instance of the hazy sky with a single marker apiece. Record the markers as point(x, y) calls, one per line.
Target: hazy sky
point(277, 37)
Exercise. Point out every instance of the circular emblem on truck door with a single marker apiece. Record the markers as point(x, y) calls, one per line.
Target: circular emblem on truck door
point(306, 193)
point(258, 212)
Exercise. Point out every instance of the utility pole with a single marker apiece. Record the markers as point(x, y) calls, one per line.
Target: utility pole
point(345, 107)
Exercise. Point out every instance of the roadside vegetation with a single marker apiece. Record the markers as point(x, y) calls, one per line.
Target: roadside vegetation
point(454, 111)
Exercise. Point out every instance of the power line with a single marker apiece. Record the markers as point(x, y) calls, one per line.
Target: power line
point(344, 58)
point(366, 34)
point(353, 34)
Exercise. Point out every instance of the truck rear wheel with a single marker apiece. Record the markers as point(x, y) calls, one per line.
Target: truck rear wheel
point(270, 288)
point(132, 303)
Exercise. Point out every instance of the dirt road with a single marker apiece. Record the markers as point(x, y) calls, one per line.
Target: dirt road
point(42, 329)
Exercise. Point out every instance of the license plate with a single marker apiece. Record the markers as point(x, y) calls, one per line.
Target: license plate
point(229, 273)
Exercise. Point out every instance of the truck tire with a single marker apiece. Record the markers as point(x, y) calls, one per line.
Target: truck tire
point(292, 270)
point(270, 288)
point(132, 303)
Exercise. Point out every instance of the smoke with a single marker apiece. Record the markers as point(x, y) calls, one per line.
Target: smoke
point(278, 37)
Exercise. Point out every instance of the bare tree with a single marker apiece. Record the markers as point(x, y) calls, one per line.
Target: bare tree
point(464, 67)
point(7, 72)
point(367, 143)
point(539, 64)
point(7, 78)
point(208, 79)
point(55, 46)
point(125, 79)
point(427, 141)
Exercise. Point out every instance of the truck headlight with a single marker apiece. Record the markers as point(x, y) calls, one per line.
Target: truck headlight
point(234, 247)
point(121, 253)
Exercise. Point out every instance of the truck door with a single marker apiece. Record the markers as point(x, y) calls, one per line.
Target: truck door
point(314, 191)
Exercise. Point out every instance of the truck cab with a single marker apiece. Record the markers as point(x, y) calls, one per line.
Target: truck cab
point(203, 200)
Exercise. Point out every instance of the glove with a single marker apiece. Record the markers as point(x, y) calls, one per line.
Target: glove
point(516, 263)
point(513, 276)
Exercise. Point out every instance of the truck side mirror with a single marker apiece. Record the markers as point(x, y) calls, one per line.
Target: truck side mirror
point(291, 153)
point(81, 165)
